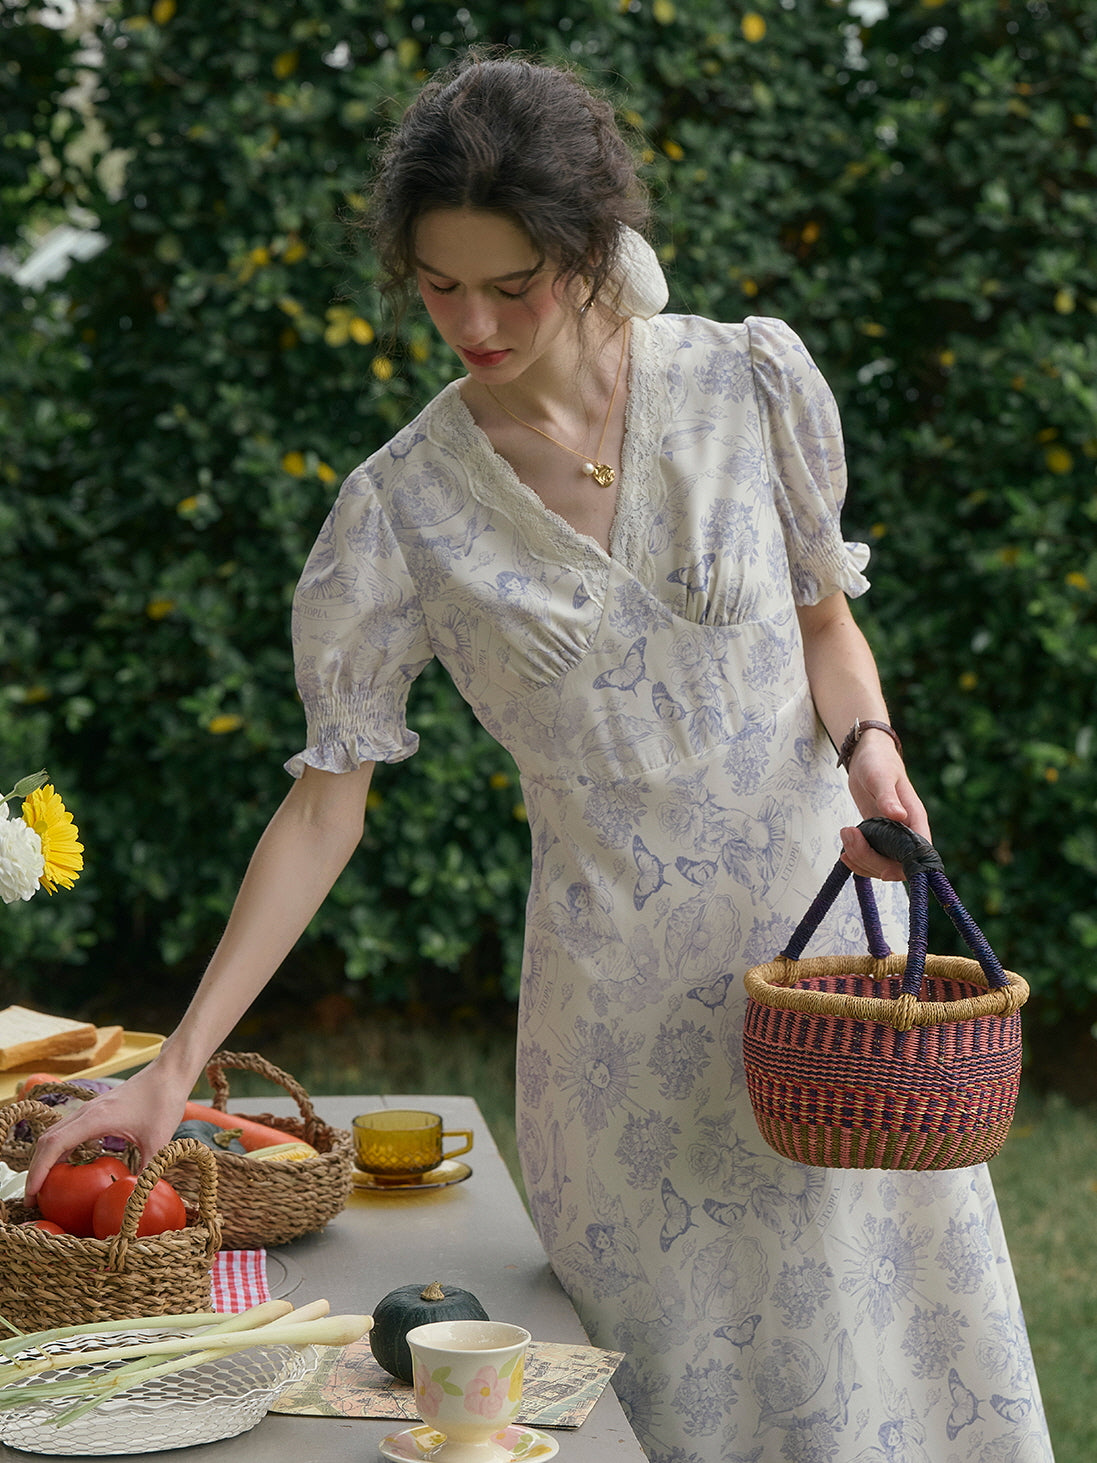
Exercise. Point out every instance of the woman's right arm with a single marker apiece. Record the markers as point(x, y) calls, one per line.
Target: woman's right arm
point(300, 855)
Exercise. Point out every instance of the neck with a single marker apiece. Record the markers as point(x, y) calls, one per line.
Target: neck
point(579, 373)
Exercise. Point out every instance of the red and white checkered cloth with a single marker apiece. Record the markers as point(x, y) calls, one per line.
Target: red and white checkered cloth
point(239, 1280)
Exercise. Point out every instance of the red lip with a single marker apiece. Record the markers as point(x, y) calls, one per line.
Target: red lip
point(485, 358)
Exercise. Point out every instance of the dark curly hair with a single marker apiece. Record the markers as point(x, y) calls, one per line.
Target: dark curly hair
point(527, 141)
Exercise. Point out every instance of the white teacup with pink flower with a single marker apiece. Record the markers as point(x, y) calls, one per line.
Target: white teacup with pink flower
point(468, 1385)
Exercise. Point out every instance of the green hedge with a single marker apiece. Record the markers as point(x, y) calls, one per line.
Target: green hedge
point(915, 196)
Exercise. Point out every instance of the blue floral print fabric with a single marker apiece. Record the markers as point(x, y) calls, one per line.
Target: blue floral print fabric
point(684, 808)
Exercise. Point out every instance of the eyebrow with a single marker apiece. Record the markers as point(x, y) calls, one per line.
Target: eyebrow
point(498, 279)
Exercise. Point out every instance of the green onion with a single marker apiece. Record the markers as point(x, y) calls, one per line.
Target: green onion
point(275, 1323)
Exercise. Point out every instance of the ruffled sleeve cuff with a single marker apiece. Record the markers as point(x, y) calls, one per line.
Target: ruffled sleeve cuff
point(359, 639)
point(341, 743)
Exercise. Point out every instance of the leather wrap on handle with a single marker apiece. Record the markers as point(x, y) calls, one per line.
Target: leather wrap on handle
point(897, 841)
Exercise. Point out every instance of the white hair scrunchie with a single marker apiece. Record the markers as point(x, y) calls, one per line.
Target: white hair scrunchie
point(637, 283)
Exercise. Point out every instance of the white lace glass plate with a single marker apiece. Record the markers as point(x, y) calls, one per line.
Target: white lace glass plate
point(218, 1399)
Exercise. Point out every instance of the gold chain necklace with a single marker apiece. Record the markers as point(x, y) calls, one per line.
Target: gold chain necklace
point(601, 472)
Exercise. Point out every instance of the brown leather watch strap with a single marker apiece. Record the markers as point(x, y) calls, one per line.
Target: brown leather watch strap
point(855, 733)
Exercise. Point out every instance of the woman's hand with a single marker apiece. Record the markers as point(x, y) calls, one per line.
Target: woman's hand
point(881, 789)
point(145, 1110)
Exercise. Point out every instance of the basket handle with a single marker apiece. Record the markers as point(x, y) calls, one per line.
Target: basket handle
point(253, 1062)
point(178, 1150)
point(925, 872)
point(40, 1115)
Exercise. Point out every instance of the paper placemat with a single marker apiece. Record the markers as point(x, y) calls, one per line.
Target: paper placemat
point(562, 1384)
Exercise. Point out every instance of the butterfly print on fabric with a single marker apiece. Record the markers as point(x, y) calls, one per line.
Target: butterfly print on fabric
point(650, 869)
point(965, 1406)
point(713, 995)
point(697, 871)
point(666, 708)
point(694, 577)
point(724, 1212)
point(679, 1216)
point(1013, 1409)
point(628, 675)
point(740, 1333)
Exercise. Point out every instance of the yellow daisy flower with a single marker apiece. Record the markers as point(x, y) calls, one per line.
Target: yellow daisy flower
point(62, 850)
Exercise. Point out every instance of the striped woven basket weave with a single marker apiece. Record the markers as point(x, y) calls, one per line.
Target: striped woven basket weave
point(885, 1061)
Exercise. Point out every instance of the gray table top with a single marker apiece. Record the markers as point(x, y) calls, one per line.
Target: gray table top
point(474, 1234)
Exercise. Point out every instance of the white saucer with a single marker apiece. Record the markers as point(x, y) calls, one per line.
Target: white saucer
point(449, 1171)
point(526, 1444)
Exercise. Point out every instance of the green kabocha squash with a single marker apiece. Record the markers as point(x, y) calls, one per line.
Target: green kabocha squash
point(220, 1140)
point(415, 1305)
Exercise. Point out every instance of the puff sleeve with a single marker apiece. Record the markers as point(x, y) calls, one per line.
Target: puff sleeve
point(359, 638)
point(802, 436)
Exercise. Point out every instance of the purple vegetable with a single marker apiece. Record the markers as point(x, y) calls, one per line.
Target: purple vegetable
point(21, 1133)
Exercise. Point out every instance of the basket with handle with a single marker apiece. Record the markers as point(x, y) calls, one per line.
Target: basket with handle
point(49, 1280)
point(270, 1202)
point(17, 1143)
point(884, 1060)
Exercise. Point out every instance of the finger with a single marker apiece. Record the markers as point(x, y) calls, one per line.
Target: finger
point(859, 855)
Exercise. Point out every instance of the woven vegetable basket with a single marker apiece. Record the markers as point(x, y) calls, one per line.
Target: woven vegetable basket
point(17, 1144)
point(885, 1061)
point(270, 1202)
point(49, 1280)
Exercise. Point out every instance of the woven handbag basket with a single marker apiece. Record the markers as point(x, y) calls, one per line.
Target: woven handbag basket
point(270, 1202)
point(49, 1280)
point(885, 1061)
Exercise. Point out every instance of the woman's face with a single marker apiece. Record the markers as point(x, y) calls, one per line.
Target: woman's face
point(492, 299)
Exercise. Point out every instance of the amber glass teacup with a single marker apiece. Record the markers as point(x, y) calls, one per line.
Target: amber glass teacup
point(398, 1141)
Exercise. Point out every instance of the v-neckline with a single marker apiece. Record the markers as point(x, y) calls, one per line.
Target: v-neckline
point(494, 480)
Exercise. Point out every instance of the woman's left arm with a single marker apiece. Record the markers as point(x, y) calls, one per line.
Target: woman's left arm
point(845, 686)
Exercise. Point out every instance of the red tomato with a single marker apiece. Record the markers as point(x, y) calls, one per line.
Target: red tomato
point(44, 1224)
point(163, 1209)
point(69, 1192)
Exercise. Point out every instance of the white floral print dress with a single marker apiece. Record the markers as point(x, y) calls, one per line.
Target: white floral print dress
point(684, 808)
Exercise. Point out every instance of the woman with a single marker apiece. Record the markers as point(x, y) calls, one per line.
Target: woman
point(619, 532)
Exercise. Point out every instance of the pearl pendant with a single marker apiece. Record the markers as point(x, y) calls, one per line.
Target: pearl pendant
point(588, 469)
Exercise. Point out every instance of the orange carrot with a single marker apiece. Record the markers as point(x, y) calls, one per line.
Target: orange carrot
point(252, 1134)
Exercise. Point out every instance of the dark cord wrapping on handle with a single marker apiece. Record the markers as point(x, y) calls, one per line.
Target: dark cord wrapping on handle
point(925, 871)
point(970, 932)
point(816, 910)
point(878, 946)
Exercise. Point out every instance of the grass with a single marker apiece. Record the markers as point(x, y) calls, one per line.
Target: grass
point(1046, 1180)
point(1045, 1176)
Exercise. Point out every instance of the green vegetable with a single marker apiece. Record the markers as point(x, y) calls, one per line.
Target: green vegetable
point(274, 1323)
point(414, 1305)
point(221, 1140)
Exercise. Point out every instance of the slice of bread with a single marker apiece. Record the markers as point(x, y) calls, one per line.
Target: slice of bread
point(31, 1036)
point(107, 1041)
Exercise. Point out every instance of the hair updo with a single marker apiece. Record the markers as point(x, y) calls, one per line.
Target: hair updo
point(511, 137)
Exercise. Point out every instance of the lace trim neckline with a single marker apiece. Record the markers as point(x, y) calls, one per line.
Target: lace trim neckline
point(494, 482)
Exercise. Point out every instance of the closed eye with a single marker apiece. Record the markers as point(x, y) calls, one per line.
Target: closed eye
point(448, 289)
